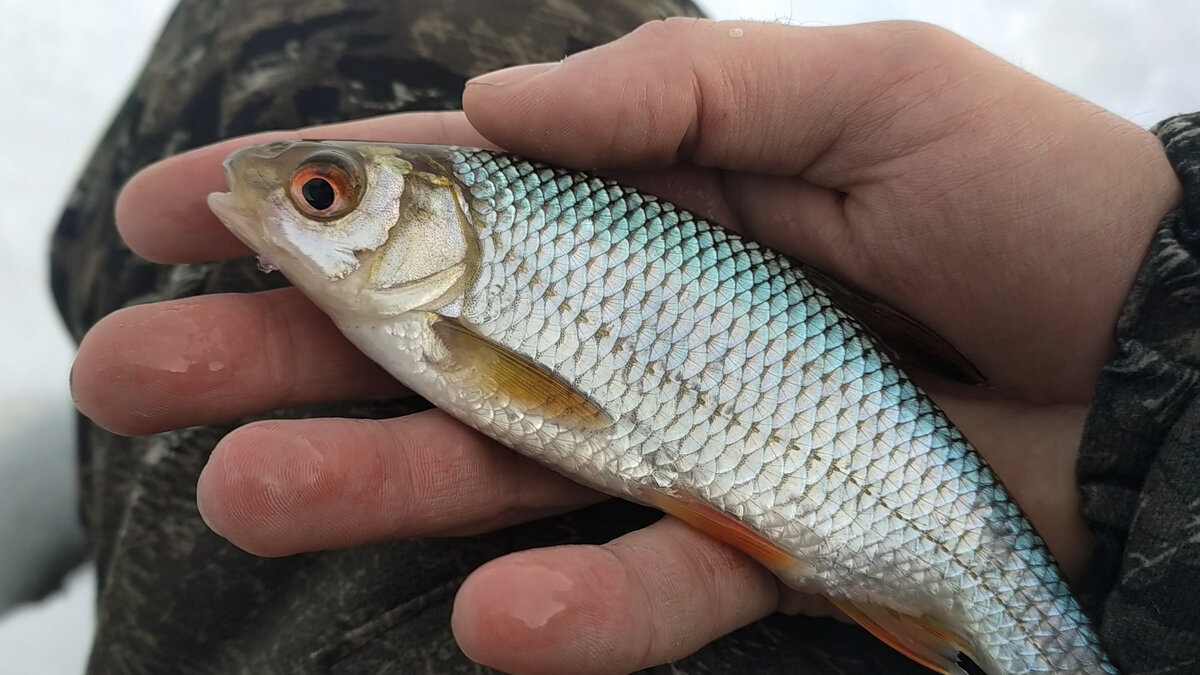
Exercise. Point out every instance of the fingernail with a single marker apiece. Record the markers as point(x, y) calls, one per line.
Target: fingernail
point(511, 75)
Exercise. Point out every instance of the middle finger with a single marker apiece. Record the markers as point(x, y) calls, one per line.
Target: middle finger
point(280, 487)
point(214, 358)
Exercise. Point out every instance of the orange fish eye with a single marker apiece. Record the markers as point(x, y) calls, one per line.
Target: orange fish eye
point(323, 190)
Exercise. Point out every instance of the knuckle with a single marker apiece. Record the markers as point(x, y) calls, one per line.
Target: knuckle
point(922, 44)
point(672, 29)
point(920, 33)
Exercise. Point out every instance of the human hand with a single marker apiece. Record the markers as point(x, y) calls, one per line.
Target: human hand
point(1006, 214)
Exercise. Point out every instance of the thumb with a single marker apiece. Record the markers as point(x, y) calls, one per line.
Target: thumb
point(759, 97)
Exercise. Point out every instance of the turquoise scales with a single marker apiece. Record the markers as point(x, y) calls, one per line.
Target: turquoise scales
point(730, 376)
point(685, 367)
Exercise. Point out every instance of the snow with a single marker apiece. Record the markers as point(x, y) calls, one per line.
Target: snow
point(39, 518)
point(65, 67)
point(71, 63)
point(53, 636)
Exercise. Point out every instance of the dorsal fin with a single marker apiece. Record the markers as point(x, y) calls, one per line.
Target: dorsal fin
point(912, 343)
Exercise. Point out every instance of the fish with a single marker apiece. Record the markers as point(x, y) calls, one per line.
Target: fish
point(656, 356)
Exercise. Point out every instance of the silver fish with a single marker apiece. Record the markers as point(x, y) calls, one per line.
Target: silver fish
point(655, 356)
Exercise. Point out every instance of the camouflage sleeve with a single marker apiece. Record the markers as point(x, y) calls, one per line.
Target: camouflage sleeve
point(1139, 468)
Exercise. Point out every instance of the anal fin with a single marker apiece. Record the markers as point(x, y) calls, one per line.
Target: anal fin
point(917, 638)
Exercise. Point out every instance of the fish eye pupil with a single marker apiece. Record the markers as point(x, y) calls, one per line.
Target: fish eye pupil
point(318, 193)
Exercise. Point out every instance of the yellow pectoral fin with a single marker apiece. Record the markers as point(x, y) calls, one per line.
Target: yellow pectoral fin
point(496, 369)
point(722, 527)
point(917, 638)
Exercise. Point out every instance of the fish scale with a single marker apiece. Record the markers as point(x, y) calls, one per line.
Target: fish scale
point(723, 375)
point(849, 378)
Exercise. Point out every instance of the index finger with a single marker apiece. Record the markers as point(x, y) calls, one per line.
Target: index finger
point(162, 214)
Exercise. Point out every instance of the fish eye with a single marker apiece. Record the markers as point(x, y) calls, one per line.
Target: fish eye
point(318, 193)
point(323, 188)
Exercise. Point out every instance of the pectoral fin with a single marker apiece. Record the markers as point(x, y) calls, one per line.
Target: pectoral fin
point(917, 638)
point(496, 369)
point(722, 527)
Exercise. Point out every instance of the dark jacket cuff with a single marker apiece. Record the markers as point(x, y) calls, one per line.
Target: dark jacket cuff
point(1139, 464)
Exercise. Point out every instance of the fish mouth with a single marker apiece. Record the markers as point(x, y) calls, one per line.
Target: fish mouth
point(229, 210)
point(225, 204)
point(227, 207)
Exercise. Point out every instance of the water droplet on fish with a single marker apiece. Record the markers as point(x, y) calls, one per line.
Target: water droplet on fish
point(266, 266)
point(736, 32)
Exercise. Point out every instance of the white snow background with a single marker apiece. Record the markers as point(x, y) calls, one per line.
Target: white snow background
point(64, 67)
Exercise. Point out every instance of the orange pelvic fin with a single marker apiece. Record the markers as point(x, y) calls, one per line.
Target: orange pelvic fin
point(917, 638)
point(722, 527)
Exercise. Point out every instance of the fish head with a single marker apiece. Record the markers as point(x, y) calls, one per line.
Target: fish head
point(363, 229)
